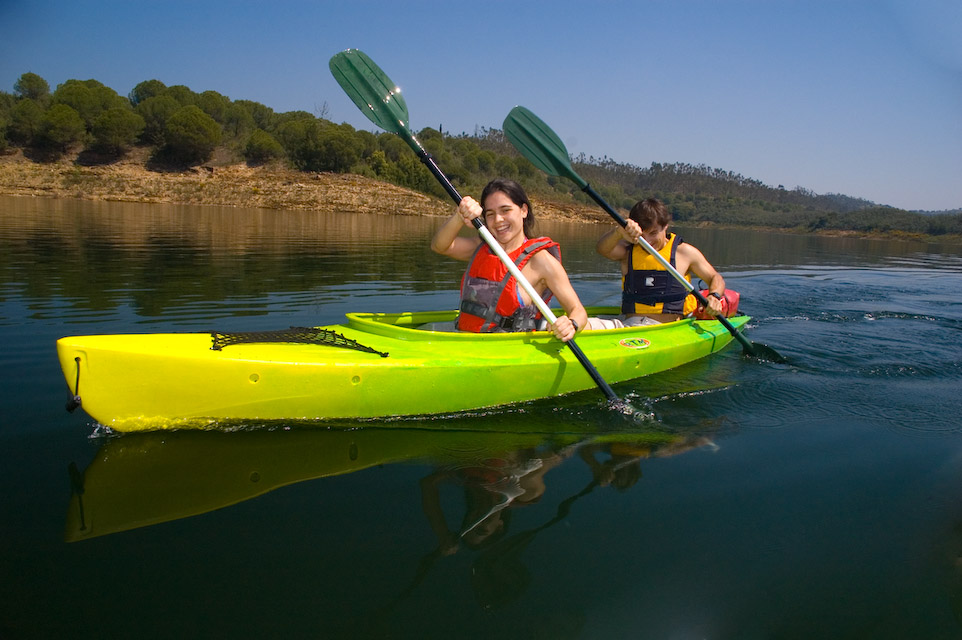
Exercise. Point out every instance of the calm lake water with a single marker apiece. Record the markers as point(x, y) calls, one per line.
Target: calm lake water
point(818, 499)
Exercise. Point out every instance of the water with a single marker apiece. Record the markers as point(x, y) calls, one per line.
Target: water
point(816, 499)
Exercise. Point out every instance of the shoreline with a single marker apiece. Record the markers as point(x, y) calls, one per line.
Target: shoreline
point(274, 186)
point(235, 185)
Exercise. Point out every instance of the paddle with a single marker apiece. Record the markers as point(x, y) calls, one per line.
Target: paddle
point(539, 144)
point(380, 100)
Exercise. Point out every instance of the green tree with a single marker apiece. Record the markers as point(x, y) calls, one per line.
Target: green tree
point(78, 96)
point(7, 101)
point(33, 87)
point(116, 130)
point(191, 135)
point(183, 95)
point(156, 111)
point(25, 118)
point(238, 122)
point(298, 138)
point(263, 116)
point(262, 146)
point(60, 128)
point(89, 98)
point(393, 146)
point(280, 120)
point(213, 104)
point(313, 145)
point(146, 89)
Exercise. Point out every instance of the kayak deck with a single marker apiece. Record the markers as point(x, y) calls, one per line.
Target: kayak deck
point(134, 382)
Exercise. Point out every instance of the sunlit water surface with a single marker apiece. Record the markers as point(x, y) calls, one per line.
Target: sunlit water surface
point(822, 498)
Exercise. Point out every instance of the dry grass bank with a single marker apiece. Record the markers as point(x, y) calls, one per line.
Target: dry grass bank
point(236, 185)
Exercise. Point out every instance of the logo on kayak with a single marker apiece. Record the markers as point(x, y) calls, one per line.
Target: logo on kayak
point(635, 343)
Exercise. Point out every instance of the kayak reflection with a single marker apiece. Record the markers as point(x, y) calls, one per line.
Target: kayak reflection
point(138, 480)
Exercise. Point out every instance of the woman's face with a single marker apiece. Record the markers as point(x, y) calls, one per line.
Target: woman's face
point(505, 219)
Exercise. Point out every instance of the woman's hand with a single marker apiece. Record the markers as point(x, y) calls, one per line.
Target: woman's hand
point(564, 328)
point(469, 210)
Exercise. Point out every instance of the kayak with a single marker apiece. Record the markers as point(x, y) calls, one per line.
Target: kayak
point(373, 365)
point(144, 479)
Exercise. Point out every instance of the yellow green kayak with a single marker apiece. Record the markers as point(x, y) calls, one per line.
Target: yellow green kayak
point(372, 365)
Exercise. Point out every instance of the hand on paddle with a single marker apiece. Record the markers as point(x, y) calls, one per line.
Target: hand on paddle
point(564, 329)
point(631, 232)
point(469, 210)
point(714, 307)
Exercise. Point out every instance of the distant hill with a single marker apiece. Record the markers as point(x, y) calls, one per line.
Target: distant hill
point(944, 212)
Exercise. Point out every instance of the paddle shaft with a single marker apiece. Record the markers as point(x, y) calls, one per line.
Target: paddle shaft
point(512, 267)
point(667, 265)
point(542, 146)
point(380, 100)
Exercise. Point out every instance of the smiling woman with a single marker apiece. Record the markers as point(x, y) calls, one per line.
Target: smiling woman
point(490, 298)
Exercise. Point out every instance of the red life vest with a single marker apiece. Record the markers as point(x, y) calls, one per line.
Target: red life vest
point(490, 295)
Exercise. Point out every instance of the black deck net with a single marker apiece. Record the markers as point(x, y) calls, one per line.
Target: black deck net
point(298, 335)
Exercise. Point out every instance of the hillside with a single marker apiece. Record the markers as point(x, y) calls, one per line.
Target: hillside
point(232, 184)
point(164, 143)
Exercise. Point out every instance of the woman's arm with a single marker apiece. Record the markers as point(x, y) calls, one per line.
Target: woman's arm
point(553, 274)
point(447, 240)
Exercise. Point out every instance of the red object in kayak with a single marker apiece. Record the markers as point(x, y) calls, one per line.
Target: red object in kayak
point(729, 304)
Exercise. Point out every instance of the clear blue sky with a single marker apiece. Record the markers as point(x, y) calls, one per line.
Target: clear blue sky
point(859, 97)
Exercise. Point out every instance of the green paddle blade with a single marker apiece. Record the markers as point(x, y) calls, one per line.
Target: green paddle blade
point(371, 90)
point(538, 143)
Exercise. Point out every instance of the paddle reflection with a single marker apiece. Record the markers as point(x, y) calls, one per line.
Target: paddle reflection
point(139, 480)
point(495, 486)
point(492, 487)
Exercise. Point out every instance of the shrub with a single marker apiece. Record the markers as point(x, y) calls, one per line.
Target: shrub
point(146, 89)
point(238, 122)
point(156, 111)
point(33, 87)
point(261, 146)
point(191, 135)
point(213, 104)
point(116, 130)
point(60, 127)
point(25, 118)
point(89, 98)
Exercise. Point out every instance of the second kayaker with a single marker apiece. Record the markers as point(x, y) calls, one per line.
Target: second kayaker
point(650, 294)
point(491, 299)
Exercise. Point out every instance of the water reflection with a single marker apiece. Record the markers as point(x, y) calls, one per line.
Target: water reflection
point(172, 260)
point(143, 479)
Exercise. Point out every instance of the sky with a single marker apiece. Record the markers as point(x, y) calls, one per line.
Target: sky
point(857, 97)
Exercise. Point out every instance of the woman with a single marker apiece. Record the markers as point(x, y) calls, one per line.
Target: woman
point(491, 299)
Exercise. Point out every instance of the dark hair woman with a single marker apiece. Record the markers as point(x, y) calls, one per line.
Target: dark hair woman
point(490, 299)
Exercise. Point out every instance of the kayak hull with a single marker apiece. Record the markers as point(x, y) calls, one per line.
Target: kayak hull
point(136, 382)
